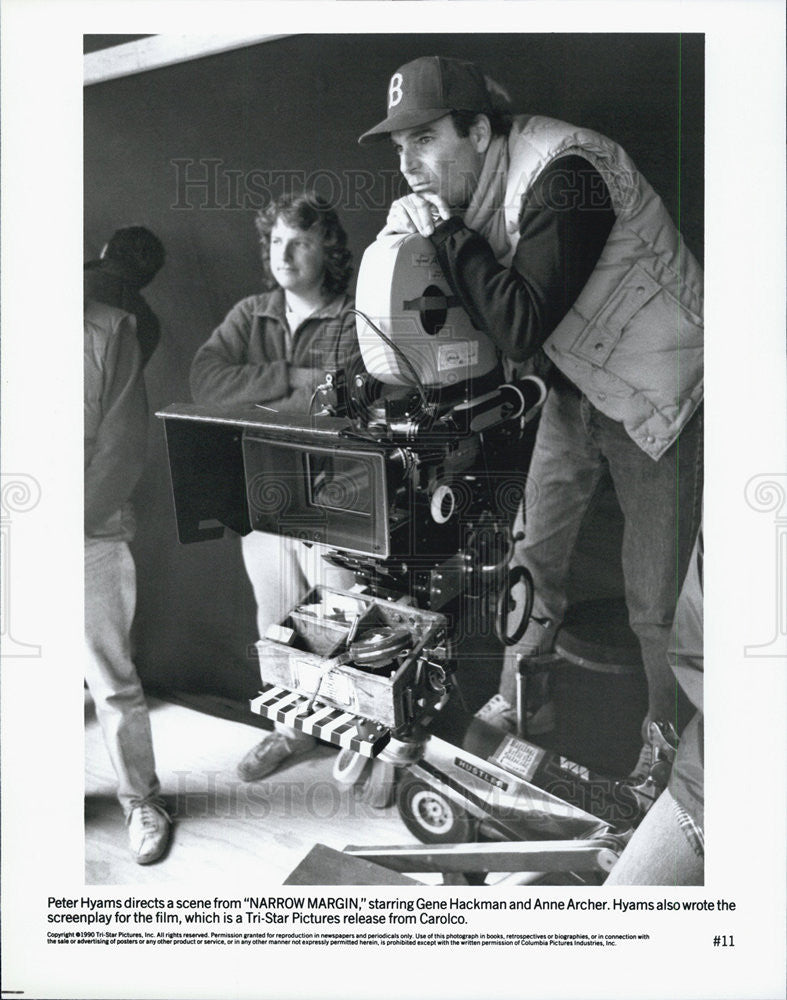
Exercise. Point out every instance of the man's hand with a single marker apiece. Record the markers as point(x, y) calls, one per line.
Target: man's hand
point(416, 213)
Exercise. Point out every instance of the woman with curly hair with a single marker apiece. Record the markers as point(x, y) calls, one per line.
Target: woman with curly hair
point(274, 349)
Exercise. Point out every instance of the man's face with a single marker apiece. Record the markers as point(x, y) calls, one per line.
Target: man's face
point(434, 158)
point(297, 258)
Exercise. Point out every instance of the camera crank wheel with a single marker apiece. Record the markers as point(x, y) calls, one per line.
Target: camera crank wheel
point(515, 597)
point(431, 817)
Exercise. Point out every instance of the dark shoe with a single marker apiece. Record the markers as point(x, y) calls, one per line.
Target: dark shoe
point(264, 758)
point(651, 774)
point(148, 832)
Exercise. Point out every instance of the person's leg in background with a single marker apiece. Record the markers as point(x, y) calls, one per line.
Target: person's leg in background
point(661, 503)
point(318, 572)
point(278, 583)
point(110, 599)
point(274, 574)
point(281, 572)
point(565, 469)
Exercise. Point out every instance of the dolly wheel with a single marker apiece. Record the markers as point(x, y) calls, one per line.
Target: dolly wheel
point(431, 817)
point(349, 767)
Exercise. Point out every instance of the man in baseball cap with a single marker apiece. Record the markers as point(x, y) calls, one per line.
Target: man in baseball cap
point(444, 114)
point(130, 260)
point(429, 88)
point(555, 243)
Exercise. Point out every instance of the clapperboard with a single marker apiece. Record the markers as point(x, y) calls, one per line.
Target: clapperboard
point(350, 732)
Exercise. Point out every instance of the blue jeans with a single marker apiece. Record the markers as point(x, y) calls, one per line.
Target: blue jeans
point(661, 503)
point(659, 852)
point(110, 598)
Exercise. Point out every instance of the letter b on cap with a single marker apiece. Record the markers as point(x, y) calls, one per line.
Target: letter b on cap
point(395, 90)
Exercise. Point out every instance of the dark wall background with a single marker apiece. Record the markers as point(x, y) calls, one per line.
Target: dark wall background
point(193, 150)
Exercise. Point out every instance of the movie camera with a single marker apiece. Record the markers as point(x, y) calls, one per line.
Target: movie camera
point(402, 473)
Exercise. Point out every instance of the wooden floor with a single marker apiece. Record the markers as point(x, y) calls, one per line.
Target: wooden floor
point(224, 828)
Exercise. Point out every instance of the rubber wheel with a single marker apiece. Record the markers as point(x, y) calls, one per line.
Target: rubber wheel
point(349, 767)
point(431, 817)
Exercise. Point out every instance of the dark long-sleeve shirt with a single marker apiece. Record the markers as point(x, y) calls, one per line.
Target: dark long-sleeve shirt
point(563, 226)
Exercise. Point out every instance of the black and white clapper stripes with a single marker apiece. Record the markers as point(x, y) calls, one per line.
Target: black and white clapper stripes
point(350, 732)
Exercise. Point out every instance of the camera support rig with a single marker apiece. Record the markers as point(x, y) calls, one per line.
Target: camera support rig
point(403, 477)
point(370, 669)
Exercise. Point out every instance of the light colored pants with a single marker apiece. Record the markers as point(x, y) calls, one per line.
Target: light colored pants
point(281, 572)
point(110, 599)
point(659, 852)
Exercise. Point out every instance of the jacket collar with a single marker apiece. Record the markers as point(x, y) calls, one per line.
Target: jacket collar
point(273, 306)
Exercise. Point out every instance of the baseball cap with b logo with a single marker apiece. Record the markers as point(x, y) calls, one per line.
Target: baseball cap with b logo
point(429, 88)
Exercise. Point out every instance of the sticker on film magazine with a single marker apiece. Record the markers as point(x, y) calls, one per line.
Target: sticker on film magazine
point(457, 354)
point(518, 757)
point(422, 259)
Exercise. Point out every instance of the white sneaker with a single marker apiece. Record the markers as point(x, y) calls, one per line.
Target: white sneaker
point(148, 832)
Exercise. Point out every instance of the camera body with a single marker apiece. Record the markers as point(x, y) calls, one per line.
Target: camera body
point(416, 517)
point(396, 477)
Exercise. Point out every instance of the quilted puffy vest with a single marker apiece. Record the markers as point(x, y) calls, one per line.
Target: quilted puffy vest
point(633, 340)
